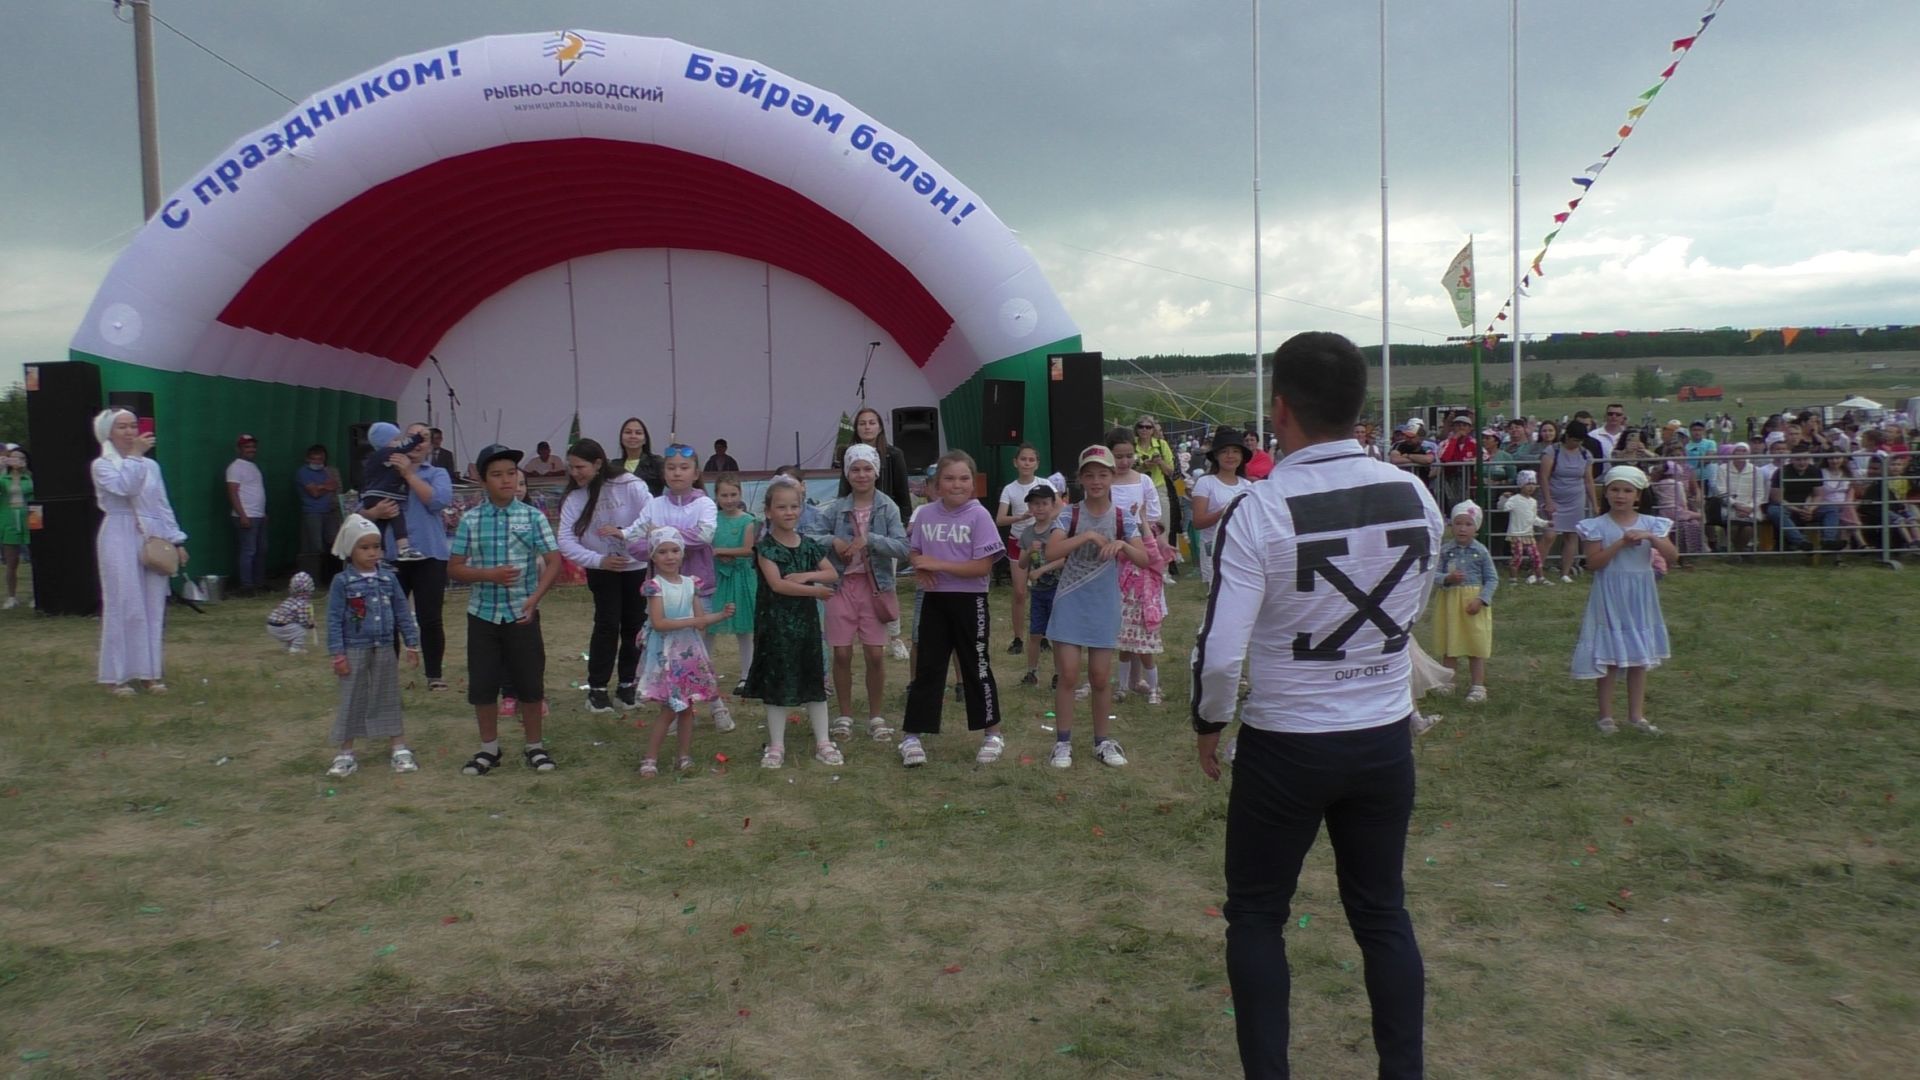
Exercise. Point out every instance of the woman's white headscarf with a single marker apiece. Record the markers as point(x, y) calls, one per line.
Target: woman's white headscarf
point(663, 536)
point(860, 452)
point(1467, 508)
point(1625, 474)
point(103, 433)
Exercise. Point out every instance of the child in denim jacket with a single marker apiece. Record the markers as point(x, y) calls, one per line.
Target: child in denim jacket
point(1462, 607)
point(365, 607)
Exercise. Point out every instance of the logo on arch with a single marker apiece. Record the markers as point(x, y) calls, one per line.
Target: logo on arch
point(568, 48)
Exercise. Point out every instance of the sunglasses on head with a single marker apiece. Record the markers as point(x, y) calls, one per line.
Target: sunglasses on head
point(680, 450)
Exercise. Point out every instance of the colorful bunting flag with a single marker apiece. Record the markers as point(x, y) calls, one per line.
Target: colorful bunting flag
point(1685, 42)
point(1754, 335)
point(1635, 112)
point(1788, 333)
point(1653, 91)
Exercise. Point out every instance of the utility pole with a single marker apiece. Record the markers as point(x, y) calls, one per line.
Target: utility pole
point(148, 106)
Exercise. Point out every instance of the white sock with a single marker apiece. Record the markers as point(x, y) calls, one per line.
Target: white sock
point(1153, 677)
point(777, 726)
point(817, 716)
point(491, 747)
point(745, 641)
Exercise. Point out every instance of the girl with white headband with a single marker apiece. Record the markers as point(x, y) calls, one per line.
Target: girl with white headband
point(676, 671)
point(133, 590)
point(1623, 628)
point(1463, 609)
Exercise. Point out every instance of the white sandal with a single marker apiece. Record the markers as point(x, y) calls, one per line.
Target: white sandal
point(828, 754)
point(773, 757)
point(878, 729)
point(842, 728)
point(1644, 726)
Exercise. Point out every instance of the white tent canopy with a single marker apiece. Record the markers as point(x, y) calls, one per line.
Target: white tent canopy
point(1858, 402)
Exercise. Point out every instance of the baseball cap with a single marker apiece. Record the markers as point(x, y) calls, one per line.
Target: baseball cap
point(245, 439)
point(1042, 490)
point(494, 452)
point(1097, 455)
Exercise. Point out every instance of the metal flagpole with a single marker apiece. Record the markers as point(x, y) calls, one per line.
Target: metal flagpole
point(1386, 345)
point(1259, 367)
point(1513, 150)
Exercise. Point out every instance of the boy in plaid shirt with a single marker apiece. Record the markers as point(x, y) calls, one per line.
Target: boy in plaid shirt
point(496, 549)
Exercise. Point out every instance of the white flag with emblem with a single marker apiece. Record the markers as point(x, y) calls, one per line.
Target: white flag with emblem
point(1459, 283)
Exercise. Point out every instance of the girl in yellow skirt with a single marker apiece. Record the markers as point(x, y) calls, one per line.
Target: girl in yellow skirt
point(1463, 608)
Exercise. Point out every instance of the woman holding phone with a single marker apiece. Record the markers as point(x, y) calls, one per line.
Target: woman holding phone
point(133, 596)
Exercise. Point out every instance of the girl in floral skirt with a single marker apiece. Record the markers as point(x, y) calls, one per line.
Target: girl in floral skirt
point(675, 670)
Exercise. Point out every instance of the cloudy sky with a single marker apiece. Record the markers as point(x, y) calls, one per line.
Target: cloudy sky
point(1769, 184)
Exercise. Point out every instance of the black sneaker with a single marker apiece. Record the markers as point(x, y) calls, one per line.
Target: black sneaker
point(1030, 679)
point(598, 702)
point(1019, 646)
point(627, 695)
point(740, 688)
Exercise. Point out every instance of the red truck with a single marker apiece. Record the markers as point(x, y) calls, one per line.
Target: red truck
point(1700, 393)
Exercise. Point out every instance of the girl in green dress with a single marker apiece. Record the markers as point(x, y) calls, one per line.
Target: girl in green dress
point(788, 667)
point(737, 580)
point(16, 491)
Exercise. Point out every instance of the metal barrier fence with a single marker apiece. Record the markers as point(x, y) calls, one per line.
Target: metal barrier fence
point(1838, 506)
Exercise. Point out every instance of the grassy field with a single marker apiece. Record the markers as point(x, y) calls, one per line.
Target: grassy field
point(182, 892)
point(1756, 380)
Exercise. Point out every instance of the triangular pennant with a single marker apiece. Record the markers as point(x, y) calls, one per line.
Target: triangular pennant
point(1788, 333)
point(1819, 331)
point(1682, 43)
point(1536, 264)
point(1653, 91)
point(1636, 112)
point(1550, 236)
point(1502, 317)
point(1562, 216)
point(1860, 332)
point(1608, 156)
point(1668, 74)
point(1596, 168)
point(1583, 181)
point(1626, 130)
point(1573, 204)
point(1704, 20)
point(1754, 335)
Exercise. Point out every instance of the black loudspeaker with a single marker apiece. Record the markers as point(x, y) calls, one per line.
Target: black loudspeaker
point(357, 450)
point(1076, 407)
point(1003, 412)
point(916, 431)
point(66, 579)
point(62, 400)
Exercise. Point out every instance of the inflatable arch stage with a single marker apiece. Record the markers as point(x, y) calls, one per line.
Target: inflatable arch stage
point(573, 224)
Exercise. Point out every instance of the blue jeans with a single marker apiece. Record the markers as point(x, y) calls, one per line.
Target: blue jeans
point(1826, 517)
point(252, 542)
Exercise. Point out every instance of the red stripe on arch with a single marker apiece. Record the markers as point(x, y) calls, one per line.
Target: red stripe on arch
point(395, 268)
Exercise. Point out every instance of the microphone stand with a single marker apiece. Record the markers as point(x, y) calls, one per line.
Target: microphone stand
point(861, 390)
point(453, 409)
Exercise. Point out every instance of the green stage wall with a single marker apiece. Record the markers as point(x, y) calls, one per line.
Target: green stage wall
point(960, 414)
point(198, 417)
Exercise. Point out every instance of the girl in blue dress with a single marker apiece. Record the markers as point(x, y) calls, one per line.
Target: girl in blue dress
point(1623, 627)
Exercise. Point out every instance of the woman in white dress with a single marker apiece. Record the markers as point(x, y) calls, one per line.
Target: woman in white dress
point(133, 599)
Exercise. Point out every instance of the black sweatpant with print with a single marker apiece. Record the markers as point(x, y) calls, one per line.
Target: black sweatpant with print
point(952, 622)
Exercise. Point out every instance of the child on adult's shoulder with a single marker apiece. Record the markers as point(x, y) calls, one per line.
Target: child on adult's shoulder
point(498, 550)
point(866, 537)
point(1463, 612)
point(382, 481)
point(291, 620)
point(789, 668)
point(365, 608)
point(737, 579)
point(1523, 520)
point(676, 671)
point(1623, 628)
point(1042, 573)
point(954, 545)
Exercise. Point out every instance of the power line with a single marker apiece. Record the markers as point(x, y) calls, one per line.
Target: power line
point(188, 38)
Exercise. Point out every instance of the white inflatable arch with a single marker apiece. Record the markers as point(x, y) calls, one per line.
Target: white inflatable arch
point(575, 224)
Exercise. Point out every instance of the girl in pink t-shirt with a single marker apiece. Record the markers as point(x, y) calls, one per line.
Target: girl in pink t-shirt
point(954, 544)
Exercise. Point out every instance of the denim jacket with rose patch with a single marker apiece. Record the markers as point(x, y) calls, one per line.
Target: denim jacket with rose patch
point(364, 611)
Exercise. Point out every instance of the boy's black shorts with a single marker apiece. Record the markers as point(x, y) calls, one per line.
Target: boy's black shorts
point(505, 654)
